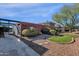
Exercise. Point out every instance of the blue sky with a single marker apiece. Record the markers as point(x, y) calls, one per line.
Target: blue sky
point(29, 12)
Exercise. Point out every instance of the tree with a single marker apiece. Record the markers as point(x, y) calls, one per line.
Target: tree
point(58, 18)
point(68, 15)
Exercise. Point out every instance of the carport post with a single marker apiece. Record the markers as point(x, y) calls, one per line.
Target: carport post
point(8, 26)
point(20, 31)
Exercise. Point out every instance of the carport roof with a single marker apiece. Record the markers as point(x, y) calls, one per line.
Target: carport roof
point(9, 20)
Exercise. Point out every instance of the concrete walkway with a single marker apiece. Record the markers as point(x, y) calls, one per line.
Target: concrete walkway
point(12, 46)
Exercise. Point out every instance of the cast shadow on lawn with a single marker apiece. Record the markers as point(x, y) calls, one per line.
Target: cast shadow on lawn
point(60, 35)
point(77, 33)
point(38, 48)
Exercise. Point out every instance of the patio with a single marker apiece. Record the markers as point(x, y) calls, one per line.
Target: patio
point(56, 49)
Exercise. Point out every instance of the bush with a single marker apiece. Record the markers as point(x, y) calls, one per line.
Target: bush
point(45, 31)
point(30, 32)
point(53, 32)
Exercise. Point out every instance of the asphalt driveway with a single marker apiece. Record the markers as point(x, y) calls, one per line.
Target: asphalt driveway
point(12, 46)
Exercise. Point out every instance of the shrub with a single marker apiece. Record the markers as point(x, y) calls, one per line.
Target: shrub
point(30, 32)
point(45, 31)
point(53, 32)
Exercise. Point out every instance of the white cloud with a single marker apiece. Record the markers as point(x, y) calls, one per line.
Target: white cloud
point(10, 9)
point(18, 4)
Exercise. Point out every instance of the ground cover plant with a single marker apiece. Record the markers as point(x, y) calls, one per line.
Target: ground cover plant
point(66, 38)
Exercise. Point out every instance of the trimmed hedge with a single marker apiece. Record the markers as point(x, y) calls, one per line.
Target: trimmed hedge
point(30, 32)
point(53, 32)
point(45, 31)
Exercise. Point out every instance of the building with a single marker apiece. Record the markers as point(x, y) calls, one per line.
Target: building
point(26, 25)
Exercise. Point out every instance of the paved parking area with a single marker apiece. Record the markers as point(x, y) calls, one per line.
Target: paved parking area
point(12, 46)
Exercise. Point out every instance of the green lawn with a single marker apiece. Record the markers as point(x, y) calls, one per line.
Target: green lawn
point(62, 39)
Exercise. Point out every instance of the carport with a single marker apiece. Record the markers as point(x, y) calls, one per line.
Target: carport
point(7, 23)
